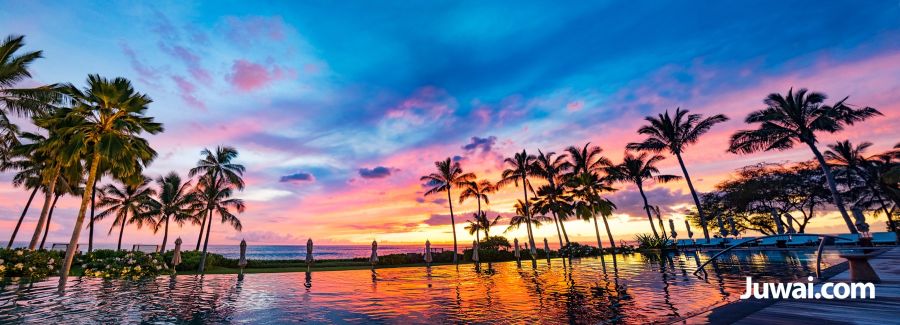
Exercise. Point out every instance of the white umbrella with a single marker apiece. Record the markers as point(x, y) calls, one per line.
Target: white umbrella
point(242, 262)
point(547, 249)
point(309, 252)
point(176, 255)
point(427, 252)
point(672, 227)
point(475, 251)
point(687, 225)
point(374, 258)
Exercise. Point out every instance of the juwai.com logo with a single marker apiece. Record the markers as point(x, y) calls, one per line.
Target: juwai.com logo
point(808, 290)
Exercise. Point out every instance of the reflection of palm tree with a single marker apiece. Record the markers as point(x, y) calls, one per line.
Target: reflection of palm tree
point(448, 174)
point(518, 169)
point(797, 117)
point(128, 204)
point(674, 133)
point(637, 169)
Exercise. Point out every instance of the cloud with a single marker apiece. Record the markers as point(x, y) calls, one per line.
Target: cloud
point(444, 219)
point(298, 177)
point(186, 90)
point(485, 144)
point(377, 172)
point(145, 73)
point(264, 237)
point(248, 76)
point(248, 30)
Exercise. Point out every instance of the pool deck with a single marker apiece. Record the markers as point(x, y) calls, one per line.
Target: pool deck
point(881, 310)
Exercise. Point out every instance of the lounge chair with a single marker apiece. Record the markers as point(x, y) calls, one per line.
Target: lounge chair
point(145, 248)
point(884, 238)
point(682, 243)
point(771, 241)
point(64, 247)
point(713, 242)
point(851, 239)
point(802, 240)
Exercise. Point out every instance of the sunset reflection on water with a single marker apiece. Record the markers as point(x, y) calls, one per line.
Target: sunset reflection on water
point(635, 288)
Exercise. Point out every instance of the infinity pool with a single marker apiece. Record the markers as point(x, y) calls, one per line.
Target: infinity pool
point(635, 288)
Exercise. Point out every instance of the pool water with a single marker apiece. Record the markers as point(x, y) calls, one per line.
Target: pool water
point(636, 288)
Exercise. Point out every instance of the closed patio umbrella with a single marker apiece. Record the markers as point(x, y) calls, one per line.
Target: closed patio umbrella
point(672, 228)
point(309, 252)
point(242, 262)
point(374, 258)
point(687, 225)
point(517, 254)
point(547, 249)
point(427, 252)
point(176, 255)
point(475, 251)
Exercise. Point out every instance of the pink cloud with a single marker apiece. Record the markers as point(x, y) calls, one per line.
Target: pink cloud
point(247, 30)
point(575, 106)
point(248, 76)
point(186, 91)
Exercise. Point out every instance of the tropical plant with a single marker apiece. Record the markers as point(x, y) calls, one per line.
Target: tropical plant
point(675, 133)
point(128, 204)
point(479, 191)
point(107, 119)
point(216, 165)
point(797, 117)
point(636, 170)
point(215, 196)
point(646, 241)
point(110, 264)
point(552, 199)
point(551, 196)
point(31, 264)
point(853, 162)
point(28, 176)
point(15, 101)
point(173, 200)
point(448, 175)
point(585, 188)
point(519, 219)
point(518, 169)
point(66, 186)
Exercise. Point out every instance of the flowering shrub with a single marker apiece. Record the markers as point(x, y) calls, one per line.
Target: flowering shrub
point(122, 264)
point(25, 263)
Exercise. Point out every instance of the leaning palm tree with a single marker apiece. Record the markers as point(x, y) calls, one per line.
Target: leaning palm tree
point(586, 188)
point(20, 102)
point(553, 168)
point(853, 160)
point(108, 118)
point(448, 175)
point(552, 199)
point(218, 165)
point(797, 117)
point(127, 204)
point(67, 186)
point(173, 200)
point(637, 169)
point(216, 196)
point(474, 226)
point(675, 133)
point(29, 177)
point(478, 190)
point(518, 169)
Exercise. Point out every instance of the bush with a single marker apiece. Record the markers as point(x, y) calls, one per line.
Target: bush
point(495, 243)
point(30, 264)
point(190, 260)
point(105, 263)
point(574, 249)
point(647, 241)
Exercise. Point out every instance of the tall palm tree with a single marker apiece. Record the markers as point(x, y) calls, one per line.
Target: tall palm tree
point(474, 226)
point(797, 117)
point(128, 204)
point(215, 195)
point(218, 164)
point(518, 169)
point(675, 133)
point(552, 199)
point(637, 169)
point(173, 200)
point(586, 159)
point(553, 170)
point(585, 187)
point(28, 176)
point(521, 218)
point(67, 186)
point(21, 102)
point(479, 191)
point(853, 160)
point(448, 175)
point(108, 117)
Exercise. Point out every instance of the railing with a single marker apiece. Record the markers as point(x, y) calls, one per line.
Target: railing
point(818, 251)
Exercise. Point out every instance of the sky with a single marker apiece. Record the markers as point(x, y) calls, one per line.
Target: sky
point(339, 107)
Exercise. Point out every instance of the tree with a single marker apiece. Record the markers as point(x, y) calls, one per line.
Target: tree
point(128, 204)
point(216, 198)
point(107, 118)
point(520, 218)
point(675, 133)
point(22, 102)
point(585, 188)
point(217, 165)
point(28, 176)
point(67, 185)
point(637, 169)
point(552, 199)
point(797, 117)
point(448, 175)
point(551, 196)
point(518, 169)
point(479, 191)
point(850, 158)
point(174, 200)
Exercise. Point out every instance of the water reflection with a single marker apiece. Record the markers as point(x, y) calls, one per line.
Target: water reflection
point(632, 288)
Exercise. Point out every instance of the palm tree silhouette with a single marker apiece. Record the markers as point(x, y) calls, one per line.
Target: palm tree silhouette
point(520, 218)
point(479, 191)
point(173, 200)
point(128, 204)
point(448, 175)
point(217, 165)
point(797, 117)
point(215, 197)
point(585, 187)
point(637, 169)
point(674, 133)
point(853, 160)
point(28, 176)
point(21, 102)
point(550, 196)
point(518, 169)
point(108, 117)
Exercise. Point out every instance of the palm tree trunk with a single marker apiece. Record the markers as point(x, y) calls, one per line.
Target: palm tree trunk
point(91, 222)
point(562, 225)
point(200, 238)
point(694, 195)
point(79, 221)
point(612, 242)
point(51, 189)
point(556, 223)
point(647, 208)
point(832, 185)
point(453, 225)
point(122, 230)
point(528, 220)
point(22, 218)
point(162, 248)
point(597, 231)
point(49, 218)
point(206, 243)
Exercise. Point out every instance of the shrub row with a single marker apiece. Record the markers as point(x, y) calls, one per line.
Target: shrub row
point(35, 265)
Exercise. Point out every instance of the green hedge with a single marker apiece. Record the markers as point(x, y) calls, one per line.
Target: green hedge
point(106, 263)
point(24, 263)
point(190, 260)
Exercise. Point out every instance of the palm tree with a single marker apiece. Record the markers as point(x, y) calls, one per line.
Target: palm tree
point(637, 169)
point(174, 200)
point(585, 187)
point(552, 169)
point(128, 203)
point(551, 198)
point(66, 185)
point(479, 191)
point(28, 176)
point(518, 169)
point(21, 102)
point(474, 226)
point(218, 165)
point(674, 134)
point(796, 118)
point(852, 159)
point(108, 118)
point(522, 218)
point(448, 175)
point(216, 198)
